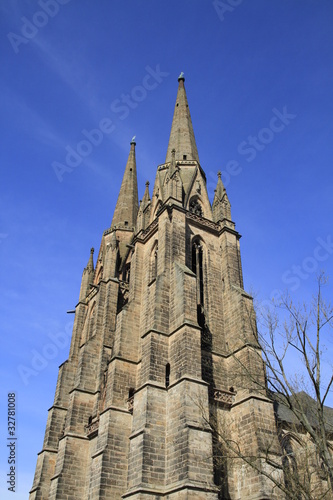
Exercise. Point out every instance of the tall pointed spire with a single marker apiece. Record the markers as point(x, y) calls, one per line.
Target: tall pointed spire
point(126, 210)
point(182, 135)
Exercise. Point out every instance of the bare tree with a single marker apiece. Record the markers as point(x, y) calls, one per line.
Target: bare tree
point(302, 335)
point(290, 342)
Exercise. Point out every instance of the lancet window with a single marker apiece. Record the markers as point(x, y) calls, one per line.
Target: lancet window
point(197, 268)
point(167, 375)
point(153, 261)
point(195, 207)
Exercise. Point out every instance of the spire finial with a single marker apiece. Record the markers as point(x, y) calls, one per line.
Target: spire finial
point(133, 140)
point(147, 183)
point(181, 77)
point(219, 174)
point(92, 250)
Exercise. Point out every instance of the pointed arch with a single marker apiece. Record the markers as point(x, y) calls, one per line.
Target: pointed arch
point(197, 263)
point(289, 444)
point(189, 189)
point(156, 209)
point(153, 261)
point(92, 317)
point(195, 205)
point(84, 332)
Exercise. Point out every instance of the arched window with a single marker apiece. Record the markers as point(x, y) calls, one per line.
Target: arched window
point(92, 320)
point(130, 401)
point(289, 444)
point(167, 375)
point(127, 272)
point(197, 268)
point(153, 261)
point(195, 207)
point(197, 258)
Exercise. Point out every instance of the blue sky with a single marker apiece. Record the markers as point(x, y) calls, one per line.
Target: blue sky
point(259, 84)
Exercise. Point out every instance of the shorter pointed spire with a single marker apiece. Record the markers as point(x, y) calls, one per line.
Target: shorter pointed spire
point(146, 197)
point(87, 277)
point(90, 265)
point(126, 210)
point(143, 214)
point(220, 189)
point(221, 204)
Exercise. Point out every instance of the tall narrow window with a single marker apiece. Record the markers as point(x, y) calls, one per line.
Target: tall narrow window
point(167, 375)
point(92, 320)
point(127, 273)
point(197, 268)
point(153, 261)
point(130, 401)
point(195, 207)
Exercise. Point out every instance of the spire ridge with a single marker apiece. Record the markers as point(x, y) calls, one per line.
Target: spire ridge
point(126, 210)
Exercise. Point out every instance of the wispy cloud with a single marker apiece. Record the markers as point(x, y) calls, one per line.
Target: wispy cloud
point(74, 71)
point(23, 116)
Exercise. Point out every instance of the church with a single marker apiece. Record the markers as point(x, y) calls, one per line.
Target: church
point(164, 365)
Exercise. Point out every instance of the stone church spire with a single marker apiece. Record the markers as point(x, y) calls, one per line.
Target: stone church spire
point(182, 136)
point(126, 210)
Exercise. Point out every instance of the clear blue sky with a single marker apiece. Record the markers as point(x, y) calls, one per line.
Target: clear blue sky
point(259, 80)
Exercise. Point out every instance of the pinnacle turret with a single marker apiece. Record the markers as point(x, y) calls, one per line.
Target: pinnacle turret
point(90, 265)
point(182, 136)
point(146, 197)
point(87, 276)
point(221, 204)
point(126, 210)
point(144, 210)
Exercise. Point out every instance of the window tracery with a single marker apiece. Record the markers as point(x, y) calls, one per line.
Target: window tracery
point(195, 207)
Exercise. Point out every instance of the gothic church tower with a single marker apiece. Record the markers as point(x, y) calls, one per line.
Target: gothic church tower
point(161, 330)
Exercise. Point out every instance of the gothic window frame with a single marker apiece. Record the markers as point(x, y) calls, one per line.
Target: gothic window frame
point(167, 375)
point(92, 320)
point(85, 329)
point(126, 272)
point(158, 205)
point(291, 444)
point(153, 261)
point(195, 206)
point(198, 249)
